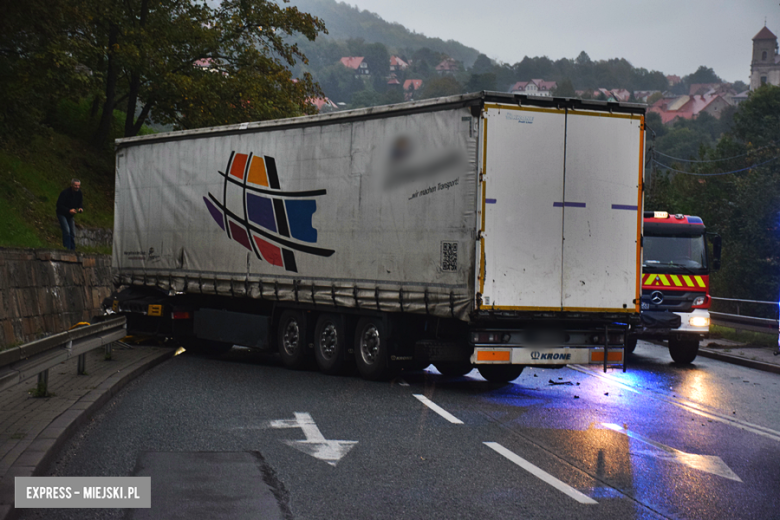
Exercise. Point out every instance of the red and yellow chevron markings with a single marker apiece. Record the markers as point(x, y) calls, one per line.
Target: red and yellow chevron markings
point(673, 280)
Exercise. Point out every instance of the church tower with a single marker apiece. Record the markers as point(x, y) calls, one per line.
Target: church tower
point(765, 67)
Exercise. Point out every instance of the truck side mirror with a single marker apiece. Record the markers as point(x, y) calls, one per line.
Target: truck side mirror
point(717, 247)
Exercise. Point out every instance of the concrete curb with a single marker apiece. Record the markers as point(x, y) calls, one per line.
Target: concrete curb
point(739, 360)
point(40, 453)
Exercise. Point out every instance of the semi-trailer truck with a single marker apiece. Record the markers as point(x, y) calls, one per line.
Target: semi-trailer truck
point(676, 270)
point(485, 230)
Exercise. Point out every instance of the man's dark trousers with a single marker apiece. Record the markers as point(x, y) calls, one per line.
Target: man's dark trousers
point(68, 231)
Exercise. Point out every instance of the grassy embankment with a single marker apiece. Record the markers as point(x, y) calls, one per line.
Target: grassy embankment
point(36, 168)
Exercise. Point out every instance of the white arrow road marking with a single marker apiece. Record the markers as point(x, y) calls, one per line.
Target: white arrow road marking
point(541, 474)
point(708, 463)
point(438, 409)
point(315, 444)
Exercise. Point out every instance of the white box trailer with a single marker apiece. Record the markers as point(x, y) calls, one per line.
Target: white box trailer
point(485, 229)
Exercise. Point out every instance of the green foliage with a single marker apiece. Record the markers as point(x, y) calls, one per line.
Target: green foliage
point(744, 207)
point(32, 175)
point(441, 87)
point(702, 75)
point(565, 88)
point(479, 82)
point(344, 21)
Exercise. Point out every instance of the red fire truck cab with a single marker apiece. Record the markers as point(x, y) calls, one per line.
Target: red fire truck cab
point(676, 268)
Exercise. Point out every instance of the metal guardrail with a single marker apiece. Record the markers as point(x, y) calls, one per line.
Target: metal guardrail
point(36, 358)
point(738, 321)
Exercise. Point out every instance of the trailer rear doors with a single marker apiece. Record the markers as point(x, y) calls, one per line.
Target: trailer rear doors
point(560, 209)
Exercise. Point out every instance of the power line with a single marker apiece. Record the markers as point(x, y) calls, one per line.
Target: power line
point(667, 167)
point(714, 160)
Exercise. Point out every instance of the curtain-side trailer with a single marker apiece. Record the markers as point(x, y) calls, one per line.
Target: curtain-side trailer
point(489, 230)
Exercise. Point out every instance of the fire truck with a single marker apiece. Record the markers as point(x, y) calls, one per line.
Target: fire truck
point(676, 268)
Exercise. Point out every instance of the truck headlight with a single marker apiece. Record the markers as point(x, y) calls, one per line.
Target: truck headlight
point(699, 300)
point(699, 321)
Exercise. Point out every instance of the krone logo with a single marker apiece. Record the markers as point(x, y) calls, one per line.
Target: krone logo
point(535, 355)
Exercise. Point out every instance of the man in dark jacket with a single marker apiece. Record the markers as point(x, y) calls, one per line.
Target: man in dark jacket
point(68, 204)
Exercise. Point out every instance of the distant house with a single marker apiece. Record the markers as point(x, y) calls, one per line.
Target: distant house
point(535, 87)
point(673, 80)
point(410, 87)
point(642, 95)
point(688, 107)
point(397, 64)
point(448, 66)
point(740, 98)
point(323, 102)
point(356, 63)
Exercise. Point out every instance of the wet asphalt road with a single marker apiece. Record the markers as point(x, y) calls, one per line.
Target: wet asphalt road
point(219, 439)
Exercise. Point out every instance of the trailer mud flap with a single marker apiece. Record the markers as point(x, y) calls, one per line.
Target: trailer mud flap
point(545, 356)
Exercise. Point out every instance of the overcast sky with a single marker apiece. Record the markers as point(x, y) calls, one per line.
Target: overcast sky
point(673, 36)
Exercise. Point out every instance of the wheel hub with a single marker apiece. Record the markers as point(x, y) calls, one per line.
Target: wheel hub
point(369, 344)
point(291, 337)
point(328, 340)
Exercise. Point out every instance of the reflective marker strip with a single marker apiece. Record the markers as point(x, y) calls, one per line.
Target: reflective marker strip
point(493, 355)
point(540, 474)
point(676, 280)
point(688, 280)
point(438, 409)
point(663, 279)
point(597, 356)
point(700, 281)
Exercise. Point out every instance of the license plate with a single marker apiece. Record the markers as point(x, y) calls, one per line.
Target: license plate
point(645, 306)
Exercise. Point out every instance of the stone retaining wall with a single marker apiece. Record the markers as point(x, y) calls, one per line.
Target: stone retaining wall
point(47, 291)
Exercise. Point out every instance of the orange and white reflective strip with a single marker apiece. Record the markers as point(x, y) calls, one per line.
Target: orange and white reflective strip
point(673, 280)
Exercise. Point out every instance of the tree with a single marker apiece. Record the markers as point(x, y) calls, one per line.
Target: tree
point(583, 59)
point(480, 82)
point(440, 87)
point(565, 89)
point(702, 75)
point(736, 190)
point(152, 49)
point(40, 45)
point(482, 65)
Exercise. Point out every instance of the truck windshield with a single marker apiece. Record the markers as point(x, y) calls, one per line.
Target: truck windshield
point(675, 252)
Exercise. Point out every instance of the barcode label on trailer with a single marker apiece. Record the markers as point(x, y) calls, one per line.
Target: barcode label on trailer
point(449, 256)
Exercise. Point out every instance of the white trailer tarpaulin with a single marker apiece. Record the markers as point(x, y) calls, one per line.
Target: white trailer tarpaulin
point(373, 212)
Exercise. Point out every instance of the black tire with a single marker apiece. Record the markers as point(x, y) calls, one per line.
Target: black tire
point(205, 347)
point(291, 340)
point(630, 345)
point(330, 344)
point(500, 373)
point(683, 350)
point(454, 369)
point(372, 344)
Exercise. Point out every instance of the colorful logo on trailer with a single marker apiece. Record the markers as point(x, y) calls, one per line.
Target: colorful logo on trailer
point(268, 221)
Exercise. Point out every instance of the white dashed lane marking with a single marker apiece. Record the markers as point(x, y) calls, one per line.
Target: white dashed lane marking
point(541, 474)
point(438, 409)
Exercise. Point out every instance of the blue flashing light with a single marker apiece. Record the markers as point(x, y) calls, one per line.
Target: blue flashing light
point(695, 220)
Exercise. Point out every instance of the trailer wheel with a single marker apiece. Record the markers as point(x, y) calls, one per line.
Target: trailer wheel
point(500, 373)
point(630, 345)
point(330, 344)
point(453, 369)
point(371, 349)
point(683, 350)
point(291, 337)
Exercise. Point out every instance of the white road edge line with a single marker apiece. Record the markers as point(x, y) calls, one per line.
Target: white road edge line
point(687, 405)
point(540, 474)
point(438, 409)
